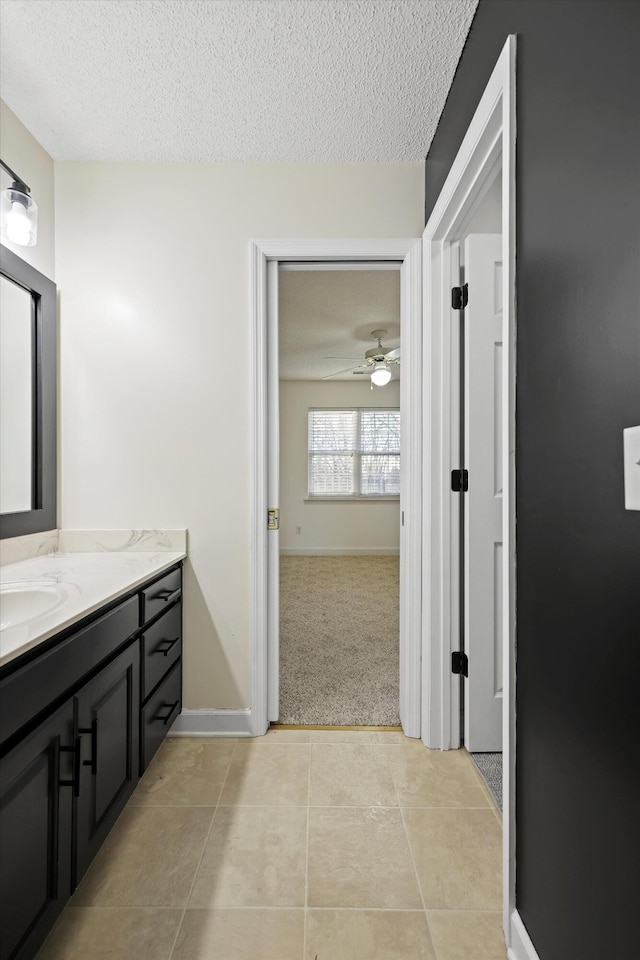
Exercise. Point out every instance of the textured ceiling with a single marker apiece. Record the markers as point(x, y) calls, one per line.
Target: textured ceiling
point(332, 313)
point(231, 80)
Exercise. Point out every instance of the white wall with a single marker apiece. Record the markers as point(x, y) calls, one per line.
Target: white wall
point(154, 280)
point(341, 526)
point(22, 152)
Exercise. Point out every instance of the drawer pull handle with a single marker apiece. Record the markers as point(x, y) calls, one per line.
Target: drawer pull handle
point(164, 650)
point(93, 762)
point(170, 708)
point(167, 595)
point(75, 779)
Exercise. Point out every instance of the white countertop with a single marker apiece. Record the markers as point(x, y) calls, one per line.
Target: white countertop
point(78, 584)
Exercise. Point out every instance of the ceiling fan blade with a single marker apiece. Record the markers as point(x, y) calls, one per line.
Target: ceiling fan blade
point(393, 354)
point(338, 372)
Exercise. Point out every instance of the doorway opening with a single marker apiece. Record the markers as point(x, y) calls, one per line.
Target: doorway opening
point(339, 492)
point(267, 257)
point(476, 501)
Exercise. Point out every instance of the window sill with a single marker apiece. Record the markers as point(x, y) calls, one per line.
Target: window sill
point(350, 499)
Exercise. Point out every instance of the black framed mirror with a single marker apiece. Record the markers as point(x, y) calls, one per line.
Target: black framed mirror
point(28, 444)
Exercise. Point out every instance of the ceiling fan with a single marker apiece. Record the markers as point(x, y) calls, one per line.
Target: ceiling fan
point(376, 361)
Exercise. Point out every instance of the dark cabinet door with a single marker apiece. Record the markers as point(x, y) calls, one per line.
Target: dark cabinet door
point(37, 780)
point(107, 721)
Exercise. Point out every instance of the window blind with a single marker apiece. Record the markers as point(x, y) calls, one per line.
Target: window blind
point(354, 453)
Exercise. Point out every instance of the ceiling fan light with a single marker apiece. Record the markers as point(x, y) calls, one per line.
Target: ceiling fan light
point(381, 375)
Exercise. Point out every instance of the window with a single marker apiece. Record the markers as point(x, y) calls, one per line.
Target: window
point(354, 453)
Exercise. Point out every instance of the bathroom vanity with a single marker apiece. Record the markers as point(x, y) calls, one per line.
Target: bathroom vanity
point(88, 690)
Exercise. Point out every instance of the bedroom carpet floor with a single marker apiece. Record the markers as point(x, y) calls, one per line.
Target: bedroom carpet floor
point(295, 846)
point(339, 640)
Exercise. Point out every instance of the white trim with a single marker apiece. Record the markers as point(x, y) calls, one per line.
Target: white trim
point(273, 493)
point(407, 251)
point(212, 723)
point(490, 139)
point(337, 552)
point(345, 265)
point(521, 947)
point(411, 493)
point(259, 491)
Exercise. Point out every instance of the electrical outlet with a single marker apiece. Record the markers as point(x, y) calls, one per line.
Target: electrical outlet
point(631, 437)
point(298, 529)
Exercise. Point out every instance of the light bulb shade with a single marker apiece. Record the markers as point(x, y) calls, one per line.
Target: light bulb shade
point(18, 216)
point(381, 375)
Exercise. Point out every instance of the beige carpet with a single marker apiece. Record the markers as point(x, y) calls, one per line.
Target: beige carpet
point(339, 640)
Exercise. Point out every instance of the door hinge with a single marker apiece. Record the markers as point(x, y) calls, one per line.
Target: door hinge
point(459, 481)
point(460, 663)
point(273, 518)
point(459, 297)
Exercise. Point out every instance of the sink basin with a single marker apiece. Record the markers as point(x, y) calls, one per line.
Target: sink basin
point(22, 600)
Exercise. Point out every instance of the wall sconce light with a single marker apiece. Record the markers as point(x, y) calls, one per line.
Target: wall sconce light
point(18, 212)
point(381, 375)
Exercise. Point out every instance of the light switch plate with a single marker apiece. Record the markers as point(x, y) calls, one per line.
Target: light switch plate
point(631, 441)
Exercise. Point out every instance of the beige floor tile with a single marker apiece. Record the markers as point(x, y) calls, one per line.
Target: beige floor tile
point(396, 737)
point(120, 934)
point(185, 772)
point(254, 857)
point(276, 773)
point(275, 735)
point(240, 935)
point(358, 857)
point(458, 857)
point(343, 736)
point(351, 774)
point(434, 778)
point(459, 936)
point(148, 860)
point(368, 935)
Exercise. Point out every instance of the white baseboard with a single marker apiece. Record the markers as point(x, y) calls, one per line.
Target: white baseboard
point(212, 723)
point(330, 552)
point(521, 946)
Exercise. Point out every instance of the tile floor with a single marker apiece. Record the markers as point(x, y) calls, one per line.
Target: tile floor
point(301, 845)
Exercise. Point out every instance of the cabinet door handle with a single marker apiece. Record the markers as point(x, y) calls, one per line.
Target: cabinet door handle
point(170, 708)
point(75, 779)
point(93, 762)
point(167, 595)
point(164, 650)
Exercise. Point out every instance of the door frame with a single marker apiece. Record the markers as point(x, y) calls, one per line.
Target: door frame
point(489, 140)
point(264, 378)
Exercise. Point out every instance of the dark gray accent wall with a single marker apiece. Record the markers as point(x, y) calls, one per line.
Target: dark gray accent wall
point(578, 386)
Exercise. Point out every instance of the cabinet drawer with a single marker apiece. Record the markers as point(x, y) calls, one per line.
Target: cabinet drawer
point(28, 691)
point(160, 594)
point(158, 714)
point(161, 647)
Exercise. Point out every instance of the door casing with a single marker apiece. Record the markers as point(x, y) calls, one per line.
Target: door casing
point(489, 141)
point(265, 256)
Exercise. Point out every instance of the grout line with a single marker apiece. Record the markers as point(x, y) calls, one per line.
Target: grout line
point(415, 869)
point(413, 861)
point(306, 871)
point(204, 847)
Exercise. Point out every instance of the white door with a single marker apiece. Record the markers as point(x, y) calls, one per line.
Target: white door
point(483, 501)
